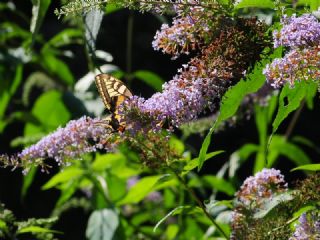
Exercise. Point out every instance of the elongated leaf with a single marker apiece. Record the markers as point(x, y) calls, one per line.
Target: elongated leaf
point(309, 167)
point(65, 37)
point(92, 22)
point(150, 78)
point(36, 229)
point(67, 191)
point(179, 210)
point(192, 164)
point(255, 4)
point(62, 177)
point(141, 189)
point(289, 100)
point(293, 152)
point(39, 10)
point(233, 98)
point(8, 88)
point(102, 225)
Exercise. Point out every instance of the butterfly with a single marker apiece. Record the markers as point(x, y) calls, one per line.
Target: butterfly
point(113, 93)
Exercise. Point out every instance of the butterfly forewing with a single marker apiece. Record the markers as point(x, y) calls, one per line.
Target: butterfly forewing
point(113, 93)
point(110, 90)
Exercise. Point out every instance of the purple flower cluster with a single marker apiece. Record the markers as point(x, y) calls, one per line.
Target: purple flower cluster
point(177, 39)
point(298, 64)
point(302, 62)
point(78, 137)
point(307, 228)
point(298, 31)
point(263, 185)
point(181, 101)
point(186, 33)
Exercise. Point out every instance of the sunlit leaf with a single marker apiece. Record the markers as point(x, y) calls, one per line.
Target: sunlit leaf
point(308, 167)
point(255, 4)
point(102, 225)
point(63, 176)
point(50, 110)
point(141, 189)
point(58, 68)
point(176, 145)
point(232, 100)
point(36, 229)
point(150, 78)
point(314, 4)
point(290, 99)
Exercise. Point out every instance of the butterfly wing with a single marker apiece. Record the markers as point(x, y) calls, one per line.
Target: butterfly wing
point(112, 91)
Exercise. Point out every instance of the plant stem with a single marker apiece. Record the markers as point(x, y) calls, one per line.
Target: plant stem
point(200, 203)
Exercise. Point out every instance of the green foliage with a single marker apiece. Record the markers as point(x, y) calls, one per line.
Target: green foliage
point(255, 4)
point(150, 78)
point(233, 98)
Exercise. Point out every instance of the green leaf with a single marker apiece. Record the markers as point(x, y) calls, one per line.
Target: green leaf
point(204, 147)
point(67, 191)
point(50, 111)
point(65, 37)
point(92, 23)
point(309, 167)
point(240, 156)
point(255, 4)
point(110, 160)
point(141, 189)
point(290, 99)
point(3, 225)
point(27, 181)
point(233, 98)
point(176, 145)
point(39, 10)
point(8, 89)
point(219, 184)
point(57, 67)
point(271, 203)
point(179, 210)
point(192, 164)
point(102, 225)
point(150, 78)
point(36, 229)
point(314, 4)
point(63, 176)
point(111, 8)
point(293, 152)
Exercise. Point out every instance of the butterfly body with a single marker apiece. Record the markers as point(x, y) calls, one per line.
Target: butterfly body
point(113, 93)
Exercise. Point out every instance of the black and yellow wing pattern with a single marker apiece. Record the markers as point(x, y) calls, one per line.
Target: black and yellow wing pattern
point(113, 93)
